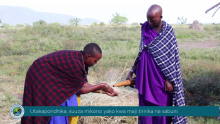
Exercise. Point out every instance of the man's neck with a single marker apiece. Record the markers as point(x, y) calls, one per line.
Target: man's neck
point(83, 56)
point(159, 28)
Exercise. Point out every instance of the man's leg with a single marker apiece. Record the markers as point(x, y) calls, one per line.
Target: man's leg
point(144, 119)
point(151, 119)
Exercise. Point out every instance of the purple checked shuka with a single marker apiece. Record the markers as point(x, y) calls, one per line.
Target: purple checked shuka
point(150, 80)
point(164, 50)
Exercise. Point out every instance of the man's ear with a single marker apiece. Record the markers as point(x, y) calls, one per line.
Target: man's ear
point(88, 55)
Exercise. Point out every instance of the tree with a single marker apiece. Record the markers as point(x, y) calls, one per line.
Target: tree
point(0, 23)
point(20, 25)
point(181, 20)
point(102, 24)
point(74, 21)
point(216, 5)
point(36, 23)
point(40, 22)
point(57, 23)
point(6, 25)
point(95, 24)
point(118, 19)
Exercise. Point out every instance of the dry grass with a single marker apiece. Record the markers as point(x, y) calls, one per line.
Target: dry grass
point(127, 97)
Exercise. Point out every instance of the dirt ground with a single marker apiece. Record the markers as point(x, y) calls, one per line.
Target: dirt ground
point(194, 44)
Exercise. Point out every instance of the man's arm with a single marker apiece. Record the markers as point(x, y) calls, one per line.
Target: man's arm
point(87, 88)
point(96, 91)
point(130, 74)
point(87, 84)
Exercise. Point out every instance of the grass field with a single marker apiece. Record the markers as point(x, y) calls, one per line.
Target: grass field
point(20, 47)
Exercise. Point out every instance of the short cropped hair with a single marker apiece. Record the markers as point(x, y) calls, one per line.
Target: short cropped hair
point(93, 49)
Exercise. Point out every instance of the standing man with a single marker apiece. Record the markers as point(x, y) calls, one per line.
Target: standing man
point(157, 68)
point(54, 79)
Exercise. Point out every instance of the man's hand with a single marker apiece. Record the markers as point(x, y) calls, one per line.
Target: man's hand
point(130, 74)
point(105, 87)
point(109, 91)
point(112, 94)
point(168, 86)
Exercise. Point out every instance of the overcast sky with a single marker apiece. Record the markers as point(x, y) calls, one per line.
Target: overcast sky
point(134, 10)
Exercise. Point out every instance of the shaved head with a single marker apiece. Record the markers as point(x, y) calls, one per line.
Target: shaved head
point(154, 16)
point(155, 10)
point(93, 49)
point(92, 53)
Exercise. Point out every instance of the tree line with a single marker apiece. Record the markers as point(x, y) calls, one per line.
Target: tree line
point(117, 19)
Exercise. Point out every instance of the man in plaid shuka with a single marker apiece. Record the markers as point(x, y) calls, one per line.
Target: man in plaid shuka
point(56, 77)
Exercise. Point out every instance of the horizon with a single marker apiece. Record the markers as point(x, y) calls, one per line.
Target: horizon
point(103, 12)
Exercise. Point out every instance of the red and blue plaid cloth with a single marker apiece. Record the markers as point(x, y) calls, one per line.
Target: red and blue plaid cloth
point(164, 50)
point(51, 80)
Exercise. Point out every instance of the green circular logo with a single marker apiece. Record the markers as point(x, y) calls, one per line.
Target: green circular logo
point(17, 111)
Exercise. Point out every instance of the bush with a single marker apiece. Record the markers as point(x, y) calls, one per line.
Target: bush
point(102, 23)
point(20, 25)
point(40, 22)
point(95, 23)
